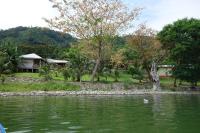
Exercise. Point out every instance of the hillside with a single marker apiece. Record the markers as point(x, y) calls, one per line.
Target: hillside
point(36, 36)
point(42, 41)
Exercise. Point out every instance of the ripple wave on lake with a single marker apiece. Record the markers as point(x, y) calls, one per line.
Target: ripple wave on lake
point(101, 114)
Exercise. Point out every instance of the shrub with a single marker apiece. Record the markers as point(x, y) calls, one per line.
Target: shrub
point(2, 78)
point(45, 72)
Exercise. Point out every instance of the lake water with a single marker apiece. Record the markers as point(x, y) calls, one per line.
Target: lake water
point(101, 114)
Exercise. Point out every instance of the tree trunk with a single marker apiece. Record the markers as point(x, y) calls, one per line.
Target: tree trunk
point(148, 73)
point(98, 78)
point(95, 70)
point(155, 77)
point(116, 79)
point(175, 82)
point(78, 77)
point(97, 61)
point(196, 83)
point(180, 82)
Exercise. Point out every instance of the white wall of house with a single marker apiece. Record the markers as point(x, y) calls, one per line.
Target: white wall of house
point(26, 64)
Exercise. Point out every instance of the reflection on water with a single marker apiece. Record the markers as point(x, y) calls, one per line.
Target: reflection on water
point(101, 114)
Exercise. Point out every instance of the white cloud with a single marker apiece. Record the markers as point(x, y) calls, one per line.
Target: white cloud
point(167, 11)
point(24, 13)
point(157, 13)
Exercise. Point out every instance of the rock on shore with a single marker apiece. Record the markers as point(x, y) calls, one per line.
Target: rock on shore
point(85, 92)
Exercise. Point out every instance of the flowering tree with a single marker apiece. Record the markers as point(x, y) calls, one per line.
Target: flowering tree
point(94, 20)
point(149, 51)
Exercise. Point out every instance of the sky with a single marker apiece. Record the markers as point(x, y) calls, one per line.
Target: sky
point(156, 13)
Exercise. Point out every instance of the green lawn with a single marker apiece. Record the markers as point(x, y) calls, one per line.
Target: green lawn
point(28, 75)
point(167, 80)
point(37, 76)
point(45, 86)
point(124, 77)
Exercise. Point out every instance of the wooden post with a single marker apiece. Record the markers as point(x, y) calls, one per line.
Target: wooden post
point(40, 63)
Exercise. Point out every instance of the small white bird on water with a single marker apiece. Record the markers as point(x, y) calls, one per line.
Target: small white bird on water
point(146, 101)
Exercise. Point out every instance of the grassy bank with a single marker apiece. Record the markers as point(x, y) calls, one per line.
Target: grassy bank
point(45, 86)
point(26, 82)
point(124, 77)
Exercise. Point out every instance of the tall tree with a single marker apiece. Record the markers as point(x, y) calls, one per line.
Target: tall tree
point(149, 52)
point(3, 61)
point(9, 55)
point(181, 40)
point(93, 19)
point(147, 48)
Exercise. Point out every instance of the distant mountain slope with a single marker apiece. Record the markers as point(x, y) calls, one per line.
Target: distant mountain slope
point(36, 36)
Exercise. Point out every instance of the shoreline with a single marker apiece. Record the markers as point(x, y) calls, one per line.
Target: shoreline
point(106, 93)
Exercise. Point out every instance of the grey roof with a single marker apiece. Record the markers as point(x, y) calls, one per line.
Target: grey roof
point(52, 61)
point(166, 66)
point(31, 56)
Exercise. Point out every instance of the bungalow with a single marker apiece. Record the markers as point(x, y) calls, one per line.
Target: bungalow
point(58, 63)
point(30, 62)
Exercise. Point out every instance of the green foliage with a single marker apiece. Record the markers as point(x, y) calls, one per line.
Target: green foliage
point(188, 73)
point(45, 71)
point(69, 73)
point(9, 57)
point(116, 74)
point(44, 50)
point(131, 54)
point(3, 61)
point(106, 72)
point(78, 62)
point(66, 74)
point(3, 79)
point(136, 72)
point(145, 49)
point(118, 41)
point(182, 41)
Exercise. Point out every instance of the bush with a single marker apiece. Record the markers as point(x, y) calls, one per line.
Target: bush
point(45, 72)
point(69, 73)
point(116, 74)
point(2, 78)
point(136, 73)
